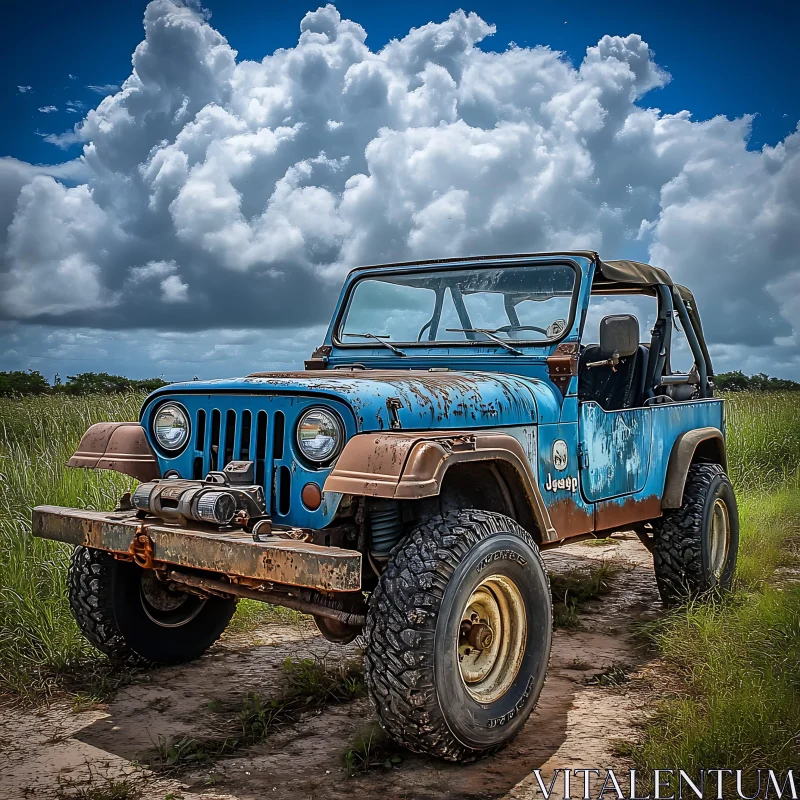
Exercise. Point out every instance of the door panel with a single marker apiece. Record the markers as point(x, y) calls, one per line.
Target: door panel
point(615, 450)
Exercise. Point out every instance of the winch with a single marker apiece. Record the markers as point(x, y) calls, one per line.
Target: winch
point(220, 499)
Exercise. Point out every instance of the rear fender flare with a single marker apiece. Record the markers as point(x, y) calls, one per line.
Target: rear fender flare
point(710, 442)
point(412, 466)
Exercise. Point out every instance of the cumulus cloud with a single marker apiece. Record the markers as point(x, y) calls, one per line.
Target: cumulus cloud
point(23, 89)
point(241, 191)
point(47, 109)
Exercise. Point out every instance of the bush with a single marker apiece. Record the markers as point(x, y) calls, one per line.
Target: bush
point(19, 382)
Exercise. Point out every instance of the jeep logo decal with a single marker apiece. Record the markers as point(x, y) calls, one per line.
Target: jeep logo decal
point(557, 484)
point(560, 454)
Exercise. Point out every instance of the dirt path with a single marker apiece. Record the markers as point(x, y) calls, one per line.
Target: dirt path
point(575, 725)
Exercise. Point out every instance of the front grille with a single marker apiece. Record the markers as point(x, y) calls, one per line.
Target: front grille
point(225, 435)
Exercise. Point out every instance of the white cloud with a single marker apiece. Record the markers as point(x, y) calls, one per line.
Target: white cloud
point(258, 184)
point(47, 109)
point(174, 290)
point(23, 89)
point(103, 88)
point(75, 106)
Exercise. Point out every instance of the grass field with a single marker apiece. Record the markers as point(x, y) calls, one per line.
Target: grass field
point(735, 661)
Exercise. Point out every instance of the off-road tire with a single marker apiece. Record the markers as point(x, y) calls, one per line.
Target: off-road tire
point(681, 538)
point(411, 664)
point(104, 595)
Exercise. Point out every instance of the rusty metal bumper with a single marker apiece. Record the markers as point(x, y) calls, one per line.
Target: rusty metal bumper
point(232, 553)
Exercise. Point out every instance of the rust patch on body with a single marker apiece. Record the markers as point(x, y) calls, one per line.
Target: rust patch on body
point(563, 364)
point(569, 519)
point(615, 514)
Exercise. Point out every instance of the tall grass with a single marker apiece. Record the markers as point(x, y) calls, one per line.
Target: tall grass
point(737, 661)
point(38, 637)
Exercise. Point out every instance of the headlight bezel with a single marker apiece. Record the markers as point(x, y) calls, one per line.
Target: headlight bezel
point(171, 450)
point(338, 424)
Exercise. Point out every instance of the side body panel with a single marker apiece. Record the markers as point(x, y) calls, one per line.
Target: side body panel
point(668, 422)
point(615, 450)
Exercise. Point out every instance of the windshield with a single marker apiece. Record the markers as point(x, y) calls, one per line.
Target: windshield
point(528, 303)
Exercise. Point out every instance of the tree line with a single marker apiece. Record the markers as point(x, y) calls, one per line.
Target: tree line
point(18, 383)
point(737, 381)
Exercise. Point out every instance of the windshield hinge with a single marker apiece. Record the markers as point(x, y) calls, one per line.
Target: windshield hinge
point(393, 405)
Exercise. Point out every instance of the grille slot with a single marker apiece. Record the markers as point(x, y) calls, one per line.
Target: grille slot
point(214, 440)
point(229, 438)
point(247, 424)
point(261, 446)
point(284, 478)
point(277, 441)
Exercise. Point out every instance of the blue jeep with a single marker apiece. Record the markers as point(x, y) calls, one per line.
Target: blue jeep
point(453, 425)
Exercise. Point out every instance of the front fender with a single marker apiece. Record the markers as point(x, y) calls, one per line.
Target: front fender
point(411, 466)
point(118, 446)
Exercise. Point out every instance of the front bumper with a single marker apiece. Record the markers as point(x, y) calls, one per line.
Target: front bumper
point(232, 553)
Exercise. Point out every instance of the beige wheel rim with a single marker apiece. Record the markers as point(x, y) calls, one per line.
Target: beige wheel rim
point(720, 536)
point(492, 637)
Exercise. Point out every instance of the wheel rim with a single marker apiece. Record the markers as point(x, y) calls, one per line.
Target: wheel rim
point(492, 636)
point(720, 536)
point(165, 608)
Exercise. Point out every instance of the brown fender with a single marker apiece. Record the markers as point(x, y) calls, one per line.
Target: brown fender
point(118, 446)
point(410, 466)
point(706, 443)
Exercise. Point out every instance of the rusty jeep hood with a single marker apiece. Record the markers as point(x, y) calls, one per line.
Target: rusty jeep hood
point(422, 399)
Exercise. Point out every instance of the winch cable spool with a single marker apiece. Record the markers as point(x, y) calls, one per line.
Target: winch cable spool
point(386, 527)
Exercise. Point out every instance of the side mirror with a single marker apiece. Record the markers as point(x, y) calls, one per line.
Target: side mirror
point(619, 336)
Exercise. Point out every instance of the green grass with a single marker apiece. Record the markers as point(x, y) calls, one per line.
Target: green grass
point(370, 748)
point(100, 789)
point(573, 588)
point(735, 661)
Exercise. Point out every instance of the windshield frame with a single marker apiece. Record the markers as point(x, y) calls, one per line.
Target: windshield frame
point(466, 264)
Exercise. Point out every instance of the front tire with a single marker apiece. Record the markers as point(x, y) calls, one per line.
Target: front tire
point(458, 635)
point(695, 546)
point(126, 613)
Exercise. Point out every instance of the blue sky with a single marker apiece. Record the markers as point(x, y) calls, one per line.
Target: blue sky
point(201, 220)
point(725, 58)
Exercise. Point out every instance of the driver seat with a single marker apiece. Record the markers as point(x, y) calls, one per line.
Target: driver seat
point(613, 388)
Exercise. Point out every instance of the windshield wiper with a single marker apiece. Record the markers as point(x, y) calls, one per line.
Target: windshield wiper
point(491, 335)
point(379, 340)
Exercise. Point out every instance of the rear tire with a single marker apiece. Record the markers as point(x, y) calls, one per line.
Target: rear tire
point(458, 635)
point(126, 613)
point(695, 546)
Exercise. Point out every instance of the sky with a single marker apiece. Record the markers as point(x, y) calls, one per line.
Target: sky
point(183, 188)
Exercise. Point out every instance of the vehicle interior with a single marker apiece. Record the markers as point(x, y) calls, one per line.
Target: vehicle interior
point(621, 371)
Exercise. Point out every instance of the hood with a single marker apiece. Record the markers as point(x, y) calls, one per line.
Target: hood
point(417, 399)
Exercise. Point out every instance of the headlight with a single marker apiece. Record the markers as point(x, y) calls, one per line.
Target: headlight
point(319, 435)
point(171, 426)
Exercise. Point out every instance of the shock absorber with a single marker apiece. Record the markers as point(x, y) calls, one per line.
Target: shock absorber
point(386, 526)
